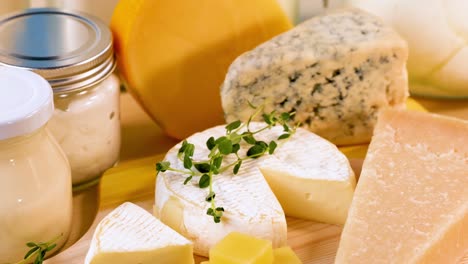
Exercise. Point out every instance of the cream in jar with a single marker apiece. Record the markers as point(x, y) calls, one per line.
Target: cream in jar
point(86, 124)
point(74, 53)
point(35, 177)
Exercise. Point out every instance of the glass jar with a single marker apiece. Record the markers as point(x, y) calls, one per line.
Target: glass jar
point(87, 126)
point(74, 53)
point(35, 177)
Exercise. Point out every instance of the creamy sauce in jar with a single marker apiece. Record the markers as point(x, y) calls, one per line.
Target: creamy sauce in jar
point(77, 59)
point(35, 194)
point(87, 126)
point(35, 177)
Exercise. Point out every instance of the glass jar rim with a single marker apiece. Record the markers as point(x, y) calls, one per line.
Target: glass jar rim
point(74, 52)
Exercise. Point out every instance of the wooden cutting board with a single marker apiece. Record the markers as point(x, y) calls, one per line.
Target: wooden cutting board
point(134, 181)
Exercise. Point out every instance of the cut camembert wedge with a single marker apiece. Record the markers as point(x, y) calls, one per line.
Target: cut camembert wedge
point(129, 234)
point(411, 202)
point(309, 176)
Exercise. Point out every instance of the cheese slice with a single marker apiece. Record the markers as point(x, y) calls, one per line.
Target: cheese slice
point(175, 54)
point(411, 202)
point(129, 234)
point(304, 165)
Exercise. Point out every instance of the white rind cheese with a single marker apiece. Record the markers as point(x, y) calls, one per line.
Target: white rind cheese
point(129, 234)
point(335, 71)
point(250, 205)
point(311, 179)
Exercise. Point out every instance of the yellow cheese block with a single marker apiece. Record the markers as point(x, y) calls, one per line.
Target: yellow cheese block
point(411, 202)
point(174, 54)
point(285, 255)
point(237, 248)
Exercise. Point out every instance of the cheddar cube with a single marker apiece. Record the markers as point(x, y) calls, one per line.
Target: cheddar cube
point(237, 248)
point(285, 255)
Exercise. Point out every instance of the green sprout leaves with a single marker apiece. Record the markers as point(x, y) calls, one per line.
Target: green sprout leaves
point(204, 181)
point(37, 251)
point(237, 134)
point(217, 213)
point(163, 166)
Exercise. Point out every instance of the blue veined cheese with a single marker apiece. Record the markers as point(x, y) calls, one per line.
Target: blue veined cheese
point(334, 71)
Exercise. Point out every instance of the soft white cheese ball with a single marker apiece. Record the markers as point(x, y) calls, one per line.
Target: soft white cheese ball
point(437, 35)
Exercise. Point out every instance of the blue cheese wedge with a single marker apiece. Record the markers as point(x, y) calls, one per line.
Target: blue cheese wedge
point(306, 176)
point(335, 71)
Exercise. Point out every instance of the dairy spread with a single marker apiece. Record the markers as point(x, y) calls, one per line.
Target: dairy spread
point(86, 124)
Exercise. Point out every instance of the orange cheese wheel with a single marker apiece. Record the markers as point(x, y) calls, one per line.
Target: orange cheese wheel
point(174, 54)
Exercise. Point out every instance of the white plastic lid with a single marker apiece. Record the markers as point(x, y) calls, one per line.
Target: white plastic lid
point(26, 102)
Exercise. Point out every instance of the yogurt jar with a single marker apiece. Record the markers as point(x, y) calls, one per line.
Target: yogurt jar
point(74, 52)
point(35, 177)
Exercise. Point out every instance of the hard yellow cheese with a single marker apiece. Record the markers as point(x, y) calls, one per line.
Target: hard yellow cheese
point(411, 201)
point(238, 248)
point(285, 255)
point(175, 54)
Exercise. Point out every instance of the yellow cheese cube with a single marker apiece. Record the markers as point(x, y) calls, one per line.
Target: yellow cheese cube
point(205, 262)
point(237, 248)
point(285, 255)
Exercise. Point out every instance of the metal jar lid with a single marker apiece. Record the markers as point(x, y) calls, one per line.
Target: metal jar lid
point(72, 50)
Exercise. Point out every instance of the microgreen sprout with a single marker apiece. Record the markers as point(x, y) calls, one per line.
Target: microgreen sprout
point(226, 145)
point(37, 251)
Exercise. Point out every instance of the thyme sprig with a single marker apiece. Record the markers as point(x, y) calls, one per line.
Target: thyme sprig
point(38, 251)
point(226, 145)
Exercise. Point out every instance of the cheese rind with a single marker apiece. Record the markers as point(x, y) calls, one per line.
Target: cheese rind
point(311, 179)
point(129, 234)
point(174, 54)
point(334, 71)
point(320, 200)
point(411, 202)
point(250, 205)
